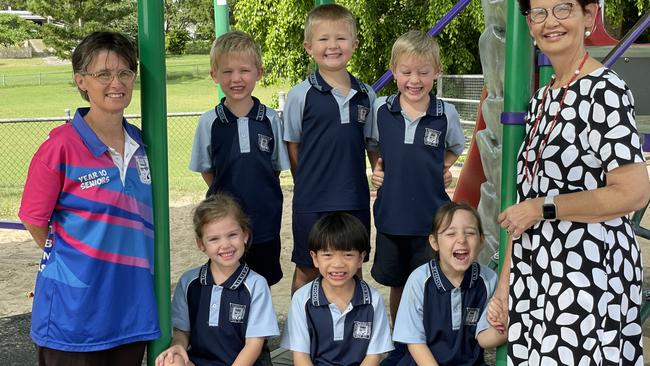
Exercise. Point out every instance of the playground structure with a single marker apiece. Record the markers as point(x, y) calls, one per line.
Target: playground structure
point(489, 169)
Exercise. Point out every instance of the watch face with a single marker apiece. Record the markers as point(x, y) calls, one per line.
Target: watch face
point(548, 211)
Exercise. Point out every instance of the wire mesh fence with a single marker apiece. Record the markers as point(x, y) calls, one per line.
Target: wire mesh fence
point(174, 72)
point(20, 138)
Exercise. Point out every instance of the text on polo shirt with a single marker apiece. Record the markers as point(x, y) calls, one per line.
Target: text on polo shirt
point(94, 179)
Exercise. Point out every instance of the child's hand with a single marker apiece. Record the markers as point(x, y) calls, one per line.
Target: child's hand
point(167, 356)
point(378, 174)
point(446, 176)
point(498, 313)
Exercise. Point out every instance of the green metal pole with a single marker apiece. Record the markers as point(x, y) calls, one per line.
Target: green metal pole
point(154, 125)
point(321, 2)
point(221, 26)
point(516, 96)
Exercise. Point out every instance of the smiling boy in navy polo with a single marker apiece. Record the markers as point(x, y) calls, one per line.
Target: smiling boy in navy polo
point(337, 319)
point(327, 123)
point(238, 148)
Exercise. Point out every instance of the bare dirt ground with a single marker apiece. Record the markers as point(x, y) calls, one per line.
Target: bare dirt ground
point(19, 258)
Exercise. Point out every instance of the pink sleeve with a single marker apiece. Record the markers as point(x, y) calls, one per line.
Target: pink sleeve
point(42, 188)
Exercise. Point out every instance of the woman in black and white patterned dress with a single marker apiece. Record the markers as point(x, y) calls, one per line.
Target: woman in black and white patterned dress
point(573, 268)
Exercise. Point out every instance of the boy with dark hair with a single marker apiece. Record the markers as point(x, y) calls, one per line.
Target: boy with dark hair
point(337, 319)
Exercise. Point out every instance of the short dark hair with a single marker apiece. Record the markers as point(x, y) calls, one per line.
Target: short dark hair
point(445, 214)
point(216, 207)
point(339, 231)
point(95, 42)
point(524, 5)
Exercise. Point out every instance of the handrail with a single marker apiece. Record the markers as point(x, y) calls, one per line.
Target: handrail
point(442, 23)
point(627, 41)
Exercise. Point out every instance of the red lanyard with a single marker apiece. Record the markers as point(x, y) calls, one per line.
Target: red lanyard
point(529, 174)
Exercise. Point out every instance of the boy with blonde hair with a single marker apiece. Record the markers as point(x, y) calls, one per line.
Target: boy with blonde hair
point(238, 148)
point(419, 137)
point(327, 123)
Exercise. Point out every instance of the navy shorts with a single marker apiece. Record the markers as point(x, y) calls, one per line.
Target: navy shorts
point(396, 256)
point(264, 258)
point(302, 224)
point(129, 354)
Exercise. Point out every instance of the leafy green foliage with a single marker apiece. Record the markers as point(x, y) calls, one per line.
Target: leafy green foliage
point(197, 15)
point(176, 41)
point(15, 30)
point(621, 15)
point(74, 19)
point(14, 4)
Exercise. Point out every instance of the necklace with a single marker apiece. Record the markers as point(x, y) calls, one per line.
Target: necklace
point(529, 174)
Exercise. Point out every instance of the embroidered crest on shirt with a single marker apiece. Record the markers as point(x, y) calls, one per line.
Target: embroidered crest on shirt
point(237, 313)
point(472, 315)
point(431, 137)
point(362, 114)
point(264, 142)
point(143, 169)
point(362, 330)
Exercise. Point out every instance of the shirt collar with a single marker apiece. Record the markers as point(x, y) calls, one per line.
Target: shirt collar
point(436, 106)
point(256, 113)
point(443, 284)
point(361, 293)
point(317, 81)
point(89, 137)
point(232, 283)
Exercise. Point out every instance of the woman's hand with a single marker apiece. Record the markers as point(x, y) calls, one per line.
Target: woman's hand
point(167, 356)
point(519, 217)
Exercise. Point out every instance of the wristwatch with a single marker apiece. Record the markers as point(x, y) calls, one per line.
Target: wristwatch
point(549, 211)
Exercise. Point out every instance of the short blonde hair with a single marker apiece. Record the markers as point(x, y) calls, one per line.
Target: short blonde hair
point(419, 44)
point(331, 12)
point(235, 42)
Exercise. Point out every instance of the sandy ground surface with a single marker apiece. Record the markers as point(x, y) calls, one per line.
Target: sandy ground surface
point(19, 258)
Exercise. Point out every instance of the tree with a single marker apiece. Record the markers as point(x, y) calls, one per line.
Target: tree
point(14, 4)
point(182, 15)
point(14, 30)
point(621, 15)
point(74, 19)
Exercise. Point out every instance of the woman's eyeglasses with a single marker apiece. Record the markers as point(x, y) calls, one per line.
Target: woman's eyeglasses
point(560, 12)
point(106, 77)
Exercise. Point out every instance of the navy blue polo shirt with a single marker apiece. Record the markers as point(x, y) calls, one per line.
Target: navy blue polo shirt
point(332, 337)
point(219, 317)
point(245, 154)
point(413, 153)
point(446, 318)
point(331, 129)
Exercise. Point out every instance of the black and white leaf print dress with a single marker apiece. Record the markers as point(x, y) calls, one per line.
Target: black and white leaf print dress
point(575, 288)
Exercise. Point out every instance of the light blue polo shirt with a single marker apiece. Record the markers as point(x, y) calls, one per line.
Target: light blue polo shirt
point(333, 337)
point(445, 318)
point(219, 317)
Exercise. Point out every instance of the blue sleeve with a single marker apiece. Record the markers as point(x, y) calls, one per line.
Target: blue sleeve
point(261, 319)
point(373, 138)
point(380, 340)
point(280, 157)
point(180, 310)
point(455, 139)
point(409, 325)
point(296, 334)
point(369, 130)
point(292, 113)
point(200, 160)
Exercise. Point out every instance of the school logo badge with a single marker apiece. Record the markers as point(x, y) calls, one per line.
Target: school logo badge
point(472, 315)
point(362, 114)
point(237, 313)
point(431, 137)
point(362, 330)
point(264, 142)
point(143, 169)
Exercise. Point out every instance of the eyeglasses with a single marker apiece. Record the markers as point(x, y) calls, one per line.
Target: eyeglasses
point(560, 11)
point(106, 77)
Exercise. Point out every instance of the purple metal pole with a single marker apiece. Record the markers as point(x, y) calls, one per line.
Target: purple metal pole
point(627, 41)
point(442, 23)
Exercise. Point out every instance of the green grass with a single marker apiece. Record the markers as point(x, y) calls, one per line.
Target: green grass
point(189, 89)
